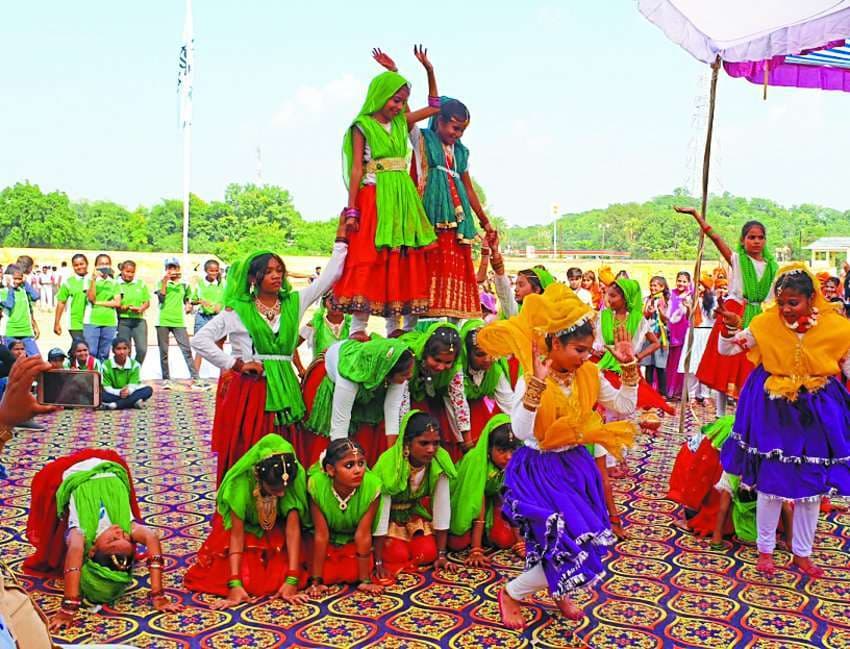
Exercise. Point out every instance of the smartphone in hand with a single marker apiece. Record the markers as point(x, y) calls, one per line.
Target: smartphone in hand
point(69, 388)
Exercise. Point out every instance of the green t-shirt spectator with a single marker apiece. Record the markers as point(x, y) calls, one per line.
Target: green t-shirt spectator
point(115, 378)
point(17, 312)
point(133, 293)
point(102, 316)
point(171, 306)
point(211, 292)
point(73, 290)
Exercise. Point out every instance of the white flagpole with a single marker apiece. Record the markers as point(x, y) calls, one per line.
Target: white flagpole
point(186, 73)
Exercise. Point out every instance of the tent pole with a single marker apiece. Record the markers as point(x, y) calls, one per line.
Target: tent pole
point(706, 164)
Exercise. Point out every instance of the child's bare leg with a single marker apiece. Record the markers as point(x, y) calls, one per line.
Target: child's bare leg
point(722, 517)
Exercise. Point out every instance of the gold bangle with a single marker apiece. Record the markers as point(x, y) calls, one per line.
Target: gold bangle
point(630, 373)
point(533, 392)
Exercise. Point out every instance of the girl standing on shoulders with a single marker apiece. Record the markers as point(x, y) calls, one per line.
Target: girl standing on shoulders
point(104, 298)
point(553, 490)
point(753, 271)
point(791, 436)
point(344, 499)
point(386, 273)
point(477, 495)
point(258, 390)
point(254, 548)
point(415, 509)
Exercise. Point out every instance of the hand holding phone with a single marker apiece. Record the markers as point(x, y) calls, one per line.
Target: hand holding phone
point(69, 388)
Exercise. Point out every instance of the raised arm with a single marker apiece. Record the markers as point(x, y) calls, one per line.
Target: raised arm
point(433, 107)
point(716, 239)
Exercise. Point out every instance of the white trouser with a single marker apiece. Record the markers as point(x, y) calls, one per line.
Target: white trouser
point(721, 401)
point(358, 322)
point(527, 583)
point(806, 514)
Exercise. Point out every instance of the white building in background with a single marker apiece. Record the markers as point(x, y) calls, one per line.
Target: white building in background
point(829, 253)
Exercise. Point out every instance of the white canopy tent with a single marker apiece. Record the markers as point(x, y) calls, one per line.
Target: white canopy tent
point(750, 30)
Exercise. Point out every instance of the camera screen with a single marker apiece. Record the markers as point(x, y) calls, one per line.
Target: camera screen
point(66, 388)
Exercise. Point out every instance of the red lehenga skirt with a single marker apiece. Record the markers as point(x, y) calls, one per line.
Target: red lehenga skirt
point(45, 529)
point(371, 437)
point(381, 282)
point(453, 286)
point(241, 419)
point(648, 397)
point(341, 565)
point(725, 374)
point(262, 570)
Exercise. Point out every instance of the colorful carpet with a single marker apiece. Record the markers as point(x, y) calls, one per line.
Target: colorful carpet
point(664, 589)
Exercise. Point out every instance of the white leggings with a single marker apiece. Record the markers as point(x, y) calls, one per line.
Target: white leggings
point(805, 521)
point(527, 583)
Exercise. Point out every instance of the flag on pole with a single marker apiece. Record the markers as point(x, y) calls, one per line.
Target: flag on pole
point(184, 69)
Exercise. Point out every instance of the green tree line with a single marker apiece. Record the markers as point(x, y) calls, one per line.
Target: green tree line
point(652, 230)
point(252, 217)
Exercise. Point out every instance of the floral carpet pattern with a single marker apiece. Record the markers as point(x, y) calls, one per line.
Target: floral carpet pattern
point(665, 588)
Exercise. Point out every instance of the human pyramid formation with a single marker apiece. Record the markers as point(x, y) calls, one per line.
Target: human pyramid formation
point(393, 450)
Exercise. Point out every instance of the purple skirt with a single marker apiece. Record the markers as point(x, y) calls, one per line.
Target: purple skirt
point(556, 500)
point(791, 450)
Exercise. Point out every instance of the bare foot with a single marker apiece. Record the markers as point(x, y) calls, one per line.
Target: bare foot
point(569, 609)
point(808, 567)
point(765, 564)
point(510, 611)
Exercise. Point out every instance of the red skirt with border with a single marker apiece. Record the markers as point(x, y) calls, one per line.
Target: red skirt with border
point(381, 282)
point(262, 570)
point(725, 374)
point(453, 286)
point(45, 529)
point(501, 535)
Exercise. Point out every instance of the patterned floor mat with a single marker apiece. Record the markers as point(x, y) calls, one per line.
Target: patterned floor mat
point(665, 588)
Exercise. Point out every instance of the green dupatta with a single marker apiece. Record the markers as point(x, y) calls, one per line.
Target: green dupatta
point(236, 492)
point(755, 290)
point(634, 305)
point(498, 369)
point(474, 472)
point(343, 524)
point(437, 196)
point(393, 468)
point(416, 340)
point(366, 364)
point(402, 221)
point(98, 583)
point(283, 390)
point(323, 336)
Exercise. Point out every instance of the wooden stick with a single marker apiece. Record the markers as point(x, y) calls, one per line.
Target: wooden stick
point(706, 164)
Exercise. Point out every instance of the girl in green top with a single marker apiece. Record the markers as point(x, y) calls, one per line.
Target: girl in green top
point(328, 325)
point(476, 494)
point(437, 384)
point(254, 548)
point(344, 499)
point(101, 320)
point(385, 273)
point(73, 289)
point(135, 301)
point(416, 503)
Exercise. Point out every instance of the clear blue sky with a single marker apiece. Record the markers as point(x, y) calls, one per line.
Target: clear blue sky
point(576, 103)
